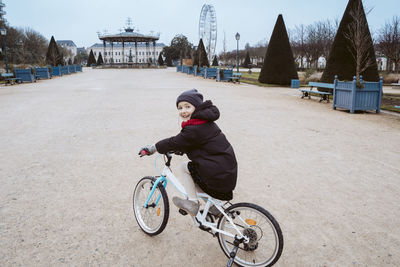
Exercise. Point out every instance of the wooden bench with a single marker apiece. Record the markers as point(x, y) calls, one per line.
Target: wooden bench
point(25, 75)
point(396, 85)
point(235, 77)
point(10, 79)
point(323, 95)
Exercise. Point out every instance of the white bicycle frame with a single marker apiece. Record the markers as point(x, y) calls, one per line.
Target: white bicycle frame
point(200, 218)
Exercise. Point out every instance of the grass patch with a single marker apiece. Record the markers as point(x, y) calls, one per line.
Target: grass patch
point(253, 79)
point(389, 101)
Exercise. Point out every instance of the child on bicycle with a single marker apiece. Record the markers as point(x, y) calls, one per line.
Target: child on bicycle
point(212, 167)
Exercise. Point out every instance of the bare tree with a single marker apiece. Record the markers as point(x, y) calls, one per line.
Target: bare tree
point(389, 43)
point(358, 35)
point(224, 49)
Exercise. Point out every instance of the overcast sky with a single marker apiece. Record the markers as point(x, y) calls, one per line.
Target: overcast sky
point(79, 20)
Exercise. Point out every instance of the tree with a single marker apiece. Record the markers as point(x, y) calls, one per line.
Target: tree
point(179, 48)
point(69, 61)
point(160, 60)
point(168, 60)
point(247, 61)
point(278, 67)
point(34, 46)
point(215, 61)
point(99, 60)
point(53, 56)
point(389, 43)
point(202, 55)
point(82, 56)
point(91, 59)
point(352, 51)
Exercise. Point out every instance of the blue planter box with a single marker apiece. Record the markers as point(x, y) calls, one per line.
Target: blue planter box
point(225, 76)
point(295, 83)
point(42, 73)
point(56, 71)
point(64, 70)
point(200, 71)
point(210, 73)
point(78, 68)
point(346, 95)
point(25, 75)
point(190, 70)
point(185, 69)
point(179, 68)
point(71, 68)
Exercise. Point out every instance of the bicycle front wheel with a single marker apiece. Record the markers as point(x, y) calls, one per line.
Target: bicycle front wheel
point(153, 218)
point(265, 236)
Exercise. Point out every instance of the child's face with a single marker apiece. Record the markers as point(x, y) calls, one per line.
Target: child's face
point(185, 110)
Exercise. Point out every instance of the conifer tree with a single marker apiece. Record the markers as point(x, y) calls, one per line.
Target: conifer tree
point(215, 61)
point(202, 55)
point(100, 60)
point(247, 61)
point(91, 59)
point(75, 60)
point(168, 60)
point(195, 59)
point(341, 59)
point(279, 66)
point(53, 56)
point(69, 61)
point(160, 60)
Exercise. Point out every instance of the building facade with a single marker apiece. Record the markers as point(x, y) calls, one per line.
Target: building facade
point(119, 54)
point(70, 46)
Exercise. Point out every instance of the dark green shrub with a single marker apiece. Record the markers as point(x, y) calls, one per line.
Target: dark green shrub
point(341, 61)
point(278, 67)
point(91, 60)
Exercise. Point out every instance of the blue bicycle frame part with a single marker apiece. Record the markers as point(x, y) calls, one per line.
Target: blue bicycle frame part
point(162, 179)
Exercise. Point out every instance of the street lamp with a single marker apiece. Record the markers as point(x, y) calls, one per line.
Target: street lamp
point(237, 36)
point(3, 33)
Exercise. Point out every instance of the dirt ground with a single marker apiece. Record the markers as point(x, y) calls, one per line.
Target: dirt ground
point(69, 165)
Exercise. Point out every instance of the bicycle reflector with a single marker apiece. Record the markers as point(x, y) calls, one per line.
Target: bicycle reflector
point(158, 211)
point(251, 222)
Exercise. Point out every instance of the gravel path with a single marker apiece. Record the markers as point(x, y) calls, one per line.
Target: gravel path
point(68, 168)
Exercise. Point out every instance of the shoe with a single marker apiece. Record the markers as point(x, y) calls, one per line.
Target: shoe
point(189, 206)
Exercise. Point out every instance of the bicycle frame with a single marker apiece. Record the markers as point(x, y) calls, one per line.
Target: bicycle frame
point(200, 218)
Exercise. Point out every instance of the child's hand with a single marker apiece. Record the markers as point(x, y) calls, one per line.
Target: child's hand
point(147, 150)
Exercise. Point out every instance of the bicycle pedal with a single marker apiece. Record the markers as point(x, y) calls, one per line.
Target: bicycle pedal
point(183, 212)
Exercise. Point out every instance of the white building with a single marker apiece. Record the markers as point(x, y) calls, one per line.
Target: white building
point(70, 45)
point(116, 52)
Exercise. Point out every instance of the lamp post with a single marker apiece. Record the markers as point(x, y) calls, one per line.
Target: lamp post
point(3, 33)
point(237, 36)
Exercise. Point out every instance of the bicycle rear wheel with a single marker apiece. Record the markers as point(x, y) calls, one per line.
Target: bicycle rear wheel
point(153, 218)
point(266, 240)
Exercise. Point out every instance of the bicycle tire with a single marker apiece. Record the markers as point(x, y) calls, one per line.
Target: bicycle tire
point(153, 219)
point(255, 217)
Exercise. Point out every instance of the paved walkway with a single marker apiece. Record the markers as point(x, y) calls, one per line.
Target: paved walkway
point(68, 167)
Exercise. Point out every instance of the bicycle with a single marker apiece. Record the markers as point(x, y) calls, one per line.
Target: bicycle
point(247, 233)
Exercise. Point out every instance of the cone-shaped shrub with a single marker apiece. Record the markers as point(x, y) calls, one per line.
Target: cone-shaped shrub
point(160, 60)
point(215, 61)
point(202, 55)
point(91, 59)
point(69, 61)
point(279, 67)
point(195, 58)
point(341, 61)
point(100, 60)
point(247, 61)
point(75, 61)
point(168, 60)
point(53, 56)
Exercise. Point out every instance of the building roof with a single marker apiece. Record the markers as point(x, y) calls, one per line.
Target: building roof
point(119, 45)
point(129, 36)
point(66, 43)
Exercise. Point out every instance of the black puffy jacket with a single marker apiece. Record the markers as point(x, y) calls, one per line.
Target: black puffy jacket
point(213, 166)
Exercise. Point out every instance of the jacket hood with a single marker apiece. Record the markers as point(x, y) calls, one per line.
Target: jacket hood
point(206, 111)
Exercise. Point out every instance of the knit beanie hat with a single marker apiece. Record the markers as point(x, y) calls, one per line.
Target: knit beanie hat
point(192, 96)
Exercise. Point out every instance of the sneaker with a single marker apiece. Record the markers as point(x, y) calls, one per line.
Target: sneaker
point(189, 206)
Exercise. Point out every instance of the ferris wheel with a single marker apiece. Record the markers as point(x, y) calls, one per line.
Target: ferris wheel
point(208, 29)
